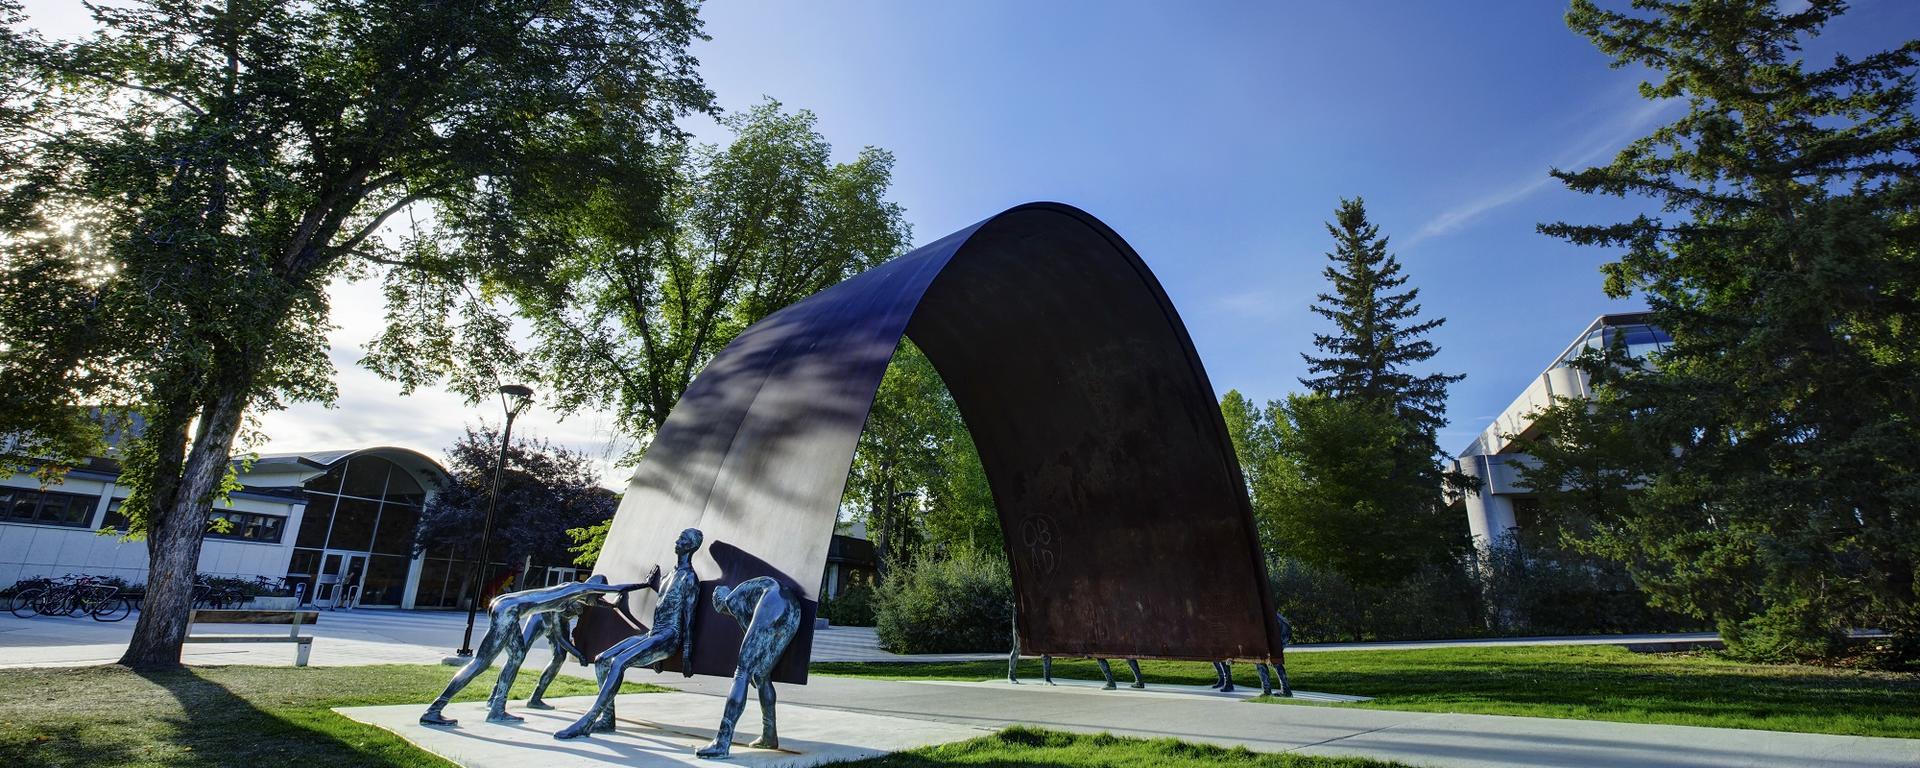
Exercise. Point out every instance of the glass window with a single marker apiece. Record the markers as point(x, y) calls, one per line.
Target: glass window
point(353, 522)
point(47, 507)
point(386, 580)
point(366, 477)
point(313, 525)
point(244, 526)
point(395, 536)
point(403, 489)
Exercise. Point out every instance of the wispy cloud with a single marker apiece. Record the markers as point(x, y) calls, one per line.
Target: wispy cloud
point(1596, 145)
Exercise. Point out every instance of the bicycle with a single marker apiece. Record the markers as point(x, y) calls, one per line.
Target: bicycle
point(102, 601)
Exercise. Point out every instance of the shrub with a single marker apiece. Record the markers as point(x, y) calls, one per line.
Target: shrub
point(961, 604)
point(853, 608)
point(1512, 590)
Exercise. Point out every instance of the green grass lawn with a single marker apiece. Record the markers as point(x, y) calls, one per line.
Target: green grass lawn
point(1581, 682)
point(1053, 749)
point(223, 716)
point(262, 717)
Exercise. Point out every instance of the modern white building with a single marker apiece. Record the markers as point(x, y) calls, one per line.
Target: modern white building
point(1503, 503)
point(339, 522)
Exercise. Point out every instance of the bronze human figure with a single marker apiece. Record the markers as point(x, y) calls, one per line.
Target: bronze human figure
point(770, 615)
point(1223, 676)
point(1106, 671)
point(1266, 681)
point(672, 632)
point(504, 635)
point(555, 628)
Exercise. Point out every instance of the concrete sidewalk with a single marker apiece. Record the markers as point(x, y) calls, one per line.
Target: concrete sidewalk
point(1416, 738)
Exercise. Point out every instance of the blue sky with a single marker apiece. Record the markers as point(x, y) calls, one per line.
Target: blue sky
point(1216, 138)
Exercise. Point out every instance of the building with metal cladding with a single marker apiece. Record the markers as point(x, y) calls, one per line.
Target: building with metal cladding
point(1503, 503)
point(339, 522)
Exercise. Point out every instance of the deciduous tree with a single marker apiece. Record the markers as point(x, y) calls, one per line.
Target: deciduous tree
point(201, 170)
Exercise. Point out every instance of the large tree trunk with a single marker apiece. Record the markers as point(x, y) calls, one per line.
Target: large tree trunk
point(174, 538)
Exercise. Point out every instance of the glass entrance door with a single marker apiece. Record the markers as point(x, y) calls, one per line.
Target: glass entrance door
point(340, 579)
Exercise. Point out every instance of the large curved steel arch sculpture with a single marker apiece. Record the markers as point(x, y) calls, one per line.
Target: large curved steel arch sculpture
point(1126, 517)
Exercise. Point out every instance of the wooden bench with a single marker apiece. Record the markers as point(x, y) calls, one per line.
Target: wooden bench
point(226, 616)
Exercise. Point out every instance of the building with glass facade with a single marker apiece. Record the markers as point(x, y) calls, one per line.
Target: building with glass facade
point(1503, 504)
point(341, 523)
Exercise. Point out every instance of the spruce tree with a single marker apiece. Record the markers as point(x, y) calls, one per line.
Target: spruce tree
point(1769, 453)
point(1378, 333)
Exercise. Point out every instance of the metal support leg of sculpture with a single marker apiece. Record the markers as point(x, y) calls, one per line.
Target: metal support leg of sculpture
point(1106, 671)
point(1013, 656)
point(504, 636)
point(1134, 666)
point(770, 615)
point(672, 632)
point(1046, 669)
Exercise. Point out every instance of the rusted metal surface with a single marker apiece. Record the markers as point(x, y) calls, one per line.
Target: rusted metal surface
point(1126, 518)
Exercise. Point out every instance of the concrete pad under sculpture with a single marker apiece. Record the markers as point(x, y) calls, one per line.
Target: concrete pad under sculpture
point(655, 729)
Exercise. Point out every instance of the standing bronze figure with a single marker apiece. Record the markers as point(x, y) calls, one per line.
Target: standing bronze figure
point(504, 635)
point(672, 632)
point(770, 615)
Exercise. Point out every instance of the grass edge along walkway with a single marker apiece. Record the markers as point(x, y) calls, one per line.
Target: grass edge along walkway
point(203, 716)
point(1026, 746)
point(1566, 682)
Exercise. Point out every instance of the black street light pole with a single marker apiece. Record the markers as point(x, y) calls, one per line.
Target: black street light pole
point(515, 398)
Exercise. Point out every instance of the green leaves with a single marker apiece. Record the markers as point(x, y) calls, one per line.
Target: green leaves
point(1761, 472)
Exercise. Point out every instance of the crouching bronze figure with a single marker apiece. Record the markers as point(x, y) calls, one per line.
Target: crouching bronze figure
point(770, 615)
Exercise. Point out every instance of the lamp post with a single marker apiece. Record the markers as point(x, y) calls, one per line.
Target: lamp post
point(514, 398)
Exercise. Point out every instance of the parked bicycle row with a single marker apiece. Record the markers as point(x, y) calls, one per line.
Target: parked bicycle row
point(107, 598)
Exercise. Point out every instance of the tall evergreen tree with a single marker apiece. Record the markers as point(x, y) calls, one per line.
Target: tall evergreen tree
point(1781, 493)
point(1378, 333)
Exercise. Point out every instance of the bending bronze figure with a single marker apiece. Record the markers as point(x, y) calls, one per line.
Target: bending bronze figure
point(672, 633)
point(504, 635)
point(770, 615)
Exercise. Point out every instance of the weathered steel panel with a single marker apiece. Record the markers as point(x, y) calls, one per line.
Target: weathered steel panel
point(1127, 520)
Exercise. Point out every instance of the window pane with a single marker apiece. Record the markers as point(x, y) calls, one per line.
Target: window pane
point(366, 477)
point(313, 525)
point(353, 524)
point(396, 529)
point(386, 580)
point(19, 505)
point(68, 509)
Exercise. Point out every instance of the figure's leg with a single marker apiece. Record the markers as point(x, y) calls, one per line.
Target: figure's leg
point(1134, 666)
point(546, 679)
point(1046, 668)
point(1218, 676)
point(736, 703)
point(612, 671)
point(769, 734)
point(1106, 671)
point(1266, 681)
point(1286, 686)
point(1226, 677)
point(482, 658)
point(516, 650)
